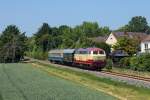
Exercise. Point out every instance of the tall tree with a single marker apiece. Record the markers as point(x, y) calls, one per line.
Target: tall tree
point(12, 46)
point(42, 36)
point(90, 28)
point(136, 24)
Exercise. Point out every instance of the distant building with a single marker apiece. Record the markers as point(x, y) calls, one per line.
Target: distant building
point(112, 39)
point(114, 36)
point(145, 45)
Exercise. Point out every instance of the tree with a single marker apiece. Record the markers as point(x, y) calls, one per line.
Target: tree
point(136, 24)
point(129, 45)
point(90, 28)
point(85, 42)
point(42, 36)
point(103, 31)
point(13, 45)
point(124, 29)
point(47, 38)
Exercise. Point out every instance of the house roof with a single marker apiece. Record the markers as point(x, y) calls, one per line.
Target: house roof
point(99, 39)
point(137, 35)
point(146, 39)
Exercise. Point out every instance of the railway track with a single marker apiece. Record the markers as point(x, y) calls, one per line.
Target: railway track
point(127, 76)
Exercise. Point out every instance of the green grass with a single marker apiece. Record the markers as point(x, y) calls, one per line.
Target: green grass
point(118, 89)
point(27, 82)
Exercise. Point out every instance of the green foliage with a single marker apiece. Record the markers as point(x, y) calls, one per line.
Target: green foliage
point(42, 36)
point(109, 64)
point(37, 53)
point(12, 44)
point(125, 62)
point(47, 38)
point(137, 63)
point(136, 24)
point(85, 42)
point(128, 45)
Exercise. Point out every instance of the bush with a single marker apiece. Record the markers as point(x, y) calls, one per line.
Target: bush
point(140, 63)
point(125, 62)
point(146, 61)
point(109, 64)
point(133, 63)
point(38, 55)
point(137, 63)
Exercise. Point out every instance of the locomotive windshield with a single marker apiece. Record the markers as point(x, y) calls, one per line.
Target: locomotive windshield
point(98, 52)
point(101, 52)
point(95, 52)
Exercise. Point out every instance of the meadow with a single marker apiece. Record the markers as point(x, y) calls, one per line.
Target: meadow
point(21, 81)
point(117, 89)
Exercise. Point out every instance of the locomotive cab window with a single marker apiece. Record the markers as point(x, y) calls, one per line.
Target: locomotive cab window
point(95, 52)
point(101, 52)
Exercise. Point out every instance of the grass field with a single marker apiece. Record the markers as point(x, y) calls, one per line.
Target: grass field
point(117, 89)
point(27, 82)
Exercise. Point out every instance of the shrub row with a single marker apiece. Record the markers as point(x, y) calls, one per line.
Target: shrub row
point(38, 55)
point(137, 63)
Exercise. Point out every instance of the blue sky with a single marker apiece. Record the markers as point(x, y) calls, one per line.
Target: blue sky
point(30, 14)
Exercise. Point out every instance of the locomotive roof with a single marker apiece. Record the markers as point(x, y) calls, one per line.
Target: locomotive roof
point(89, 49)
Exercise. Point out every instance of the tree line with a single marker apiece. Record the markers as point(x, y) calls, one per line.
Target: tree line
point(14, 44)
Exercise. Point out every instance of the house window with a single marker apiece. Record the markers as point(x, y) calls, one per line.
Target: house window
point(146, 46)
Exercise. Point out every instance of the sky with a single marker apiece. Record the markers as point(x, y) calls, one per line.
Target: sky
point(29, 15)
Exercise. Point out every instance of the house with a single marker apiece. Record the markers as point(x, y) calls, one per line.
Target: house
point(114, 36)
point(145, 45)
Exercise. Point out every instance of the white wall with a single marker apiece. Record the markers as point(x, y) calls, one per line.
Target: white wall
point(143, 46)
point(111, 40)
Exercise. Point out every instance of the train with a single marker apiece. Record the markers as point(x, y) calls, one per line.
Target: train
point(91, 58)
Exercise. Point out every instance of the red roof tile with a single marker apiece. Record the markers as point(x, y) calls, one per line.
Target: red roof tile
point(146, 39)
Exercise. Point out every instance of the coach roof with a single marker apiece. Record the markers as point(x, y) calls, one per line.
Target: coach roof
point(69, 50)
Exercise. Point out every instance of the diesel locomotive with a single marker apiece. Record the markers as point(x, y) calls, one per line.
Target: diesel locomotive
point(93, 58)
